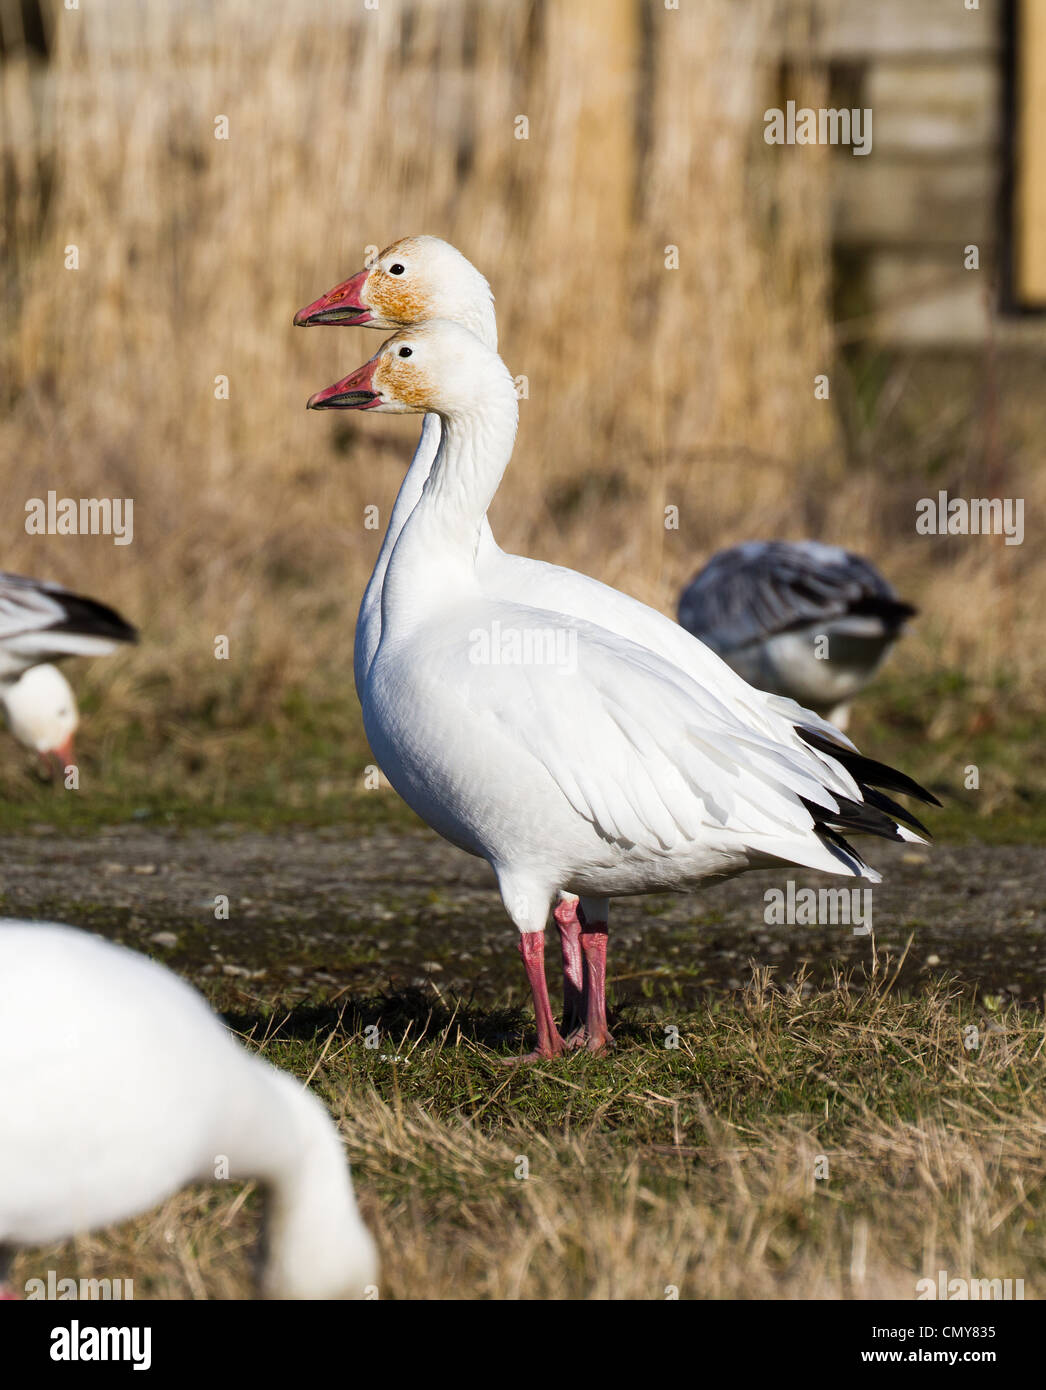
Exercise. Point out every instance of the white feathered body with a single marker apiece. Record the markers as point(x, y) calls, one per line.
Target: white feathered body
point(118, 1086)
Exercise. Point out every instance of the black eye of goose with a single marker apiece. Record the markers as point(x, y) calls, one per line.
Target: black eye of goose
point(396, 269)
point(406, 352)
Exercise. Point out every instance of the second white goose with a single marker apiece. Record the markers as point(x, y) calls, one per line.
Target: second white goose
point(421, 278)
point(564, 754)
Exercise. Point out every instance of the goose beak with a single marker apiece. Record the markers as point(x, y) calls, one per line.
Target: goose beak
point(62, 756)
point(353, 392)
point(341, 305)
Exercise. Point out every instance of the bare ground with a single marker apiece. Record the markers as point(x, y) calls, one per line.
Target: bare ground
point(698, 1166)
point(315, 914)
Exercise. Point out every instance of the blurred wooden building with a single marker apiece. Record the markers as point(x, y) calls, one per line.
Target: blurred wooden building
point(939, 233)
point(957, 89)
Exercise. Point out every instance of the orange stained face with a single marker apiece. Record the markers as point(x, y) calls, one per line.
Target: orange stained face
point(394, 289)
point(399, 375)
point(426, 367)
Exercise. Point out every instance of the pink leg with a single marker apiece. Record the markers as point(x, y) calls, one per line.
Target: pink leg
point(550, 1044)
point(594, 946)
point(566, 919)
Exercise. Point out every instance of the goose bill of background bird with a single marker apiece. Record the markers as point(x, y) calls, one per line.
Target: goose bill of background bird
point(807, 620)
point(130, 1087)
point(421, 278)
point(612, 773)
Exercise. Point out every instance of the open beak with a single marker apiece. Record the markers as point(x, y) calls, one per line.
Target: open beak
point(353, 392)
point(341, 305)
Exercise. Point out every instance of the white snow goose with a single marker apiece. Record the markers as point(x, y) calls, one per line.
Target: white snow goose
point(807, 620)
point(422, 278)
point(42, 714)
point(565, 754)
point(41, 623)
point(136, 1090)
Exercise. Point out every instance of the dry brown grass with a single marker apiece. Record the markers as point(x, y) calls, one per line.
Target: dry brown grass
point(697, 1169)
point(647, 386)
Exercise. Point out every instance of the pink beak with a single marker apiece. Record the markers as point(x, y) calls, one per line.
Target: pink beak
point(63, 756)
point(353, 392)
point(341, 305)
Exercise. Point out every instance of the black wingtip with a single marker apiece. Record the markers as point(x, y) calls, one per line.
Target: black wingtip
point(892, 612)
point(892, 808)
point(89, 618)
point(857, 817)
point(840, 848)
point(866, 771)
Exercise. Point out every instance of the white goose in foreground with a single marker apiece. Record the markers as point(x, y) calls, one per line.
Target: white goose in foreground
point(422, 278)
point(41, 623)
point(118, 1086)
point(807, 620)
point(594, 765)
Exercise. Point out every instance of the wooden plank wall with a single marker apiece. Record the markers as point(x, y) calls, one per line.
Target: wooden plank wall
point(932, 72)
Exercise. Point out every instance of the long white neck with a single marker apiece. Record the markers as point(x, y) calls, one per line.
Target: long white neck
point(437, 549)
point(368, 622)
point(480, 319)
point(316, 1244)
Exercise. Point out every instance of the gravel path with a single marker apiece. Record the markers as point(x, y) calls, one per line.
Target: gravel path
point(314, 913)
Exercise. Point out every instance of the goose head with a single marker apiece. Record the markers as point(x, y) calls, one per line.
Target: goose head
point(415, 279)
point(438, 366)
point(42, 714)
